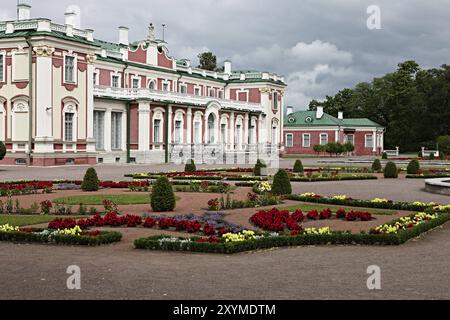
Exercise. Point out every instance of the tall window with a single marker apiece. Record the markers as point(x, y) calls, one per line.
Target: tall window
point(289, 140)
point(211, 138)
point(220, 94)
point(237, 138)
point(223, 132)
point(306, 140)
point(99, 129)
point(135, 83)
point(69, 66)
point(156, 127)
point(211, 93)
point(177, 131)
point(2, 67)
point(94, 80)
point(251, 134)
point(115, 81)
point(323, 139)
point(350, 138)
point(68, 127)
point(197, 132)
point(369, 141)
point(165, 87)
point(183, 88)
point(151, 85)
point(197, 91)
point(275, 101)
point(116, 130)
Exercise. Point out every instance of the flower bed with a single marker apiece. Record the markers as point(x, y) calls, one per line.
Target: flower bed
point(253, 241)
point(198, 175)
point(25, 188)
point(68, 236)
point(374, 203)
point(320, 178)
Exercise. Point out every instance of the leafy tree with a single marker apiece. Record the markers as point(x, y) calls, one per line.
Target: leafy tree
point(208, 61)
point(442, 141)
point(376, 165)
point(163, 197)
point(319, 148)
point(413, 167)
point(390, 170)
point(334, 148)
point(190, 166)
point(298, 166)
point(281, 183)
point(349, 147)
point(384, 156)
point(2, 151)
point(90, 180)
point(258, 166)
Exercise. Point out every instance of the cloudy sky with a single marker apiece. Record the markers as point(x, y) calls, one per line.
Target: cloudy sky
point(320, 46)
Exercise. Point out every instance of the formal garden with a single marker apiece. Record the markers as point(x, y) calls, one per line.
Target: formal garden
point(216, 210)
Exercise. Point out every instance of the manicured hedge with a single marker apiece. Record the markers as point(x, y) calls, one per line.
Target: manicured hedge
point(105, 237)
point(332, 178)
point(361, 203)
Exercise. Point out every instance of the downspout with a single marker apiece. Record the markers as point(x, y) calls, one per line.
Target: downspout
point(30, 98)
point(128, 132)
point(167, 134)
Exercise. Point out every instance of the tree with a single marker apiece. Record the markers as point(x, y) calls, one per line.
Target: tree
point(281, 183)
point(190, 166)
point(162, 197)
point(258, 166)
point(334, 148)
point(298, 166)
point(2, 151)
point(390, 170)
point(319, 148)
point(442, 141)
point(208, 61)
point(413, 167)
point(376, 165)
point(349, 147)
point(90, 180)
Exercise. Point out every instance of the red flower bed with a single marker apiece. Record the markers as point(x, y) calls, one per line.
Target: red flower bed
point(111, 219)
point(325, 214)
point(149, 223)
point(313, 215)
point(211, 239)
point(38, 185)
point(123, 184)
point(354, 215)
point(276, 220)
point(59, 223)
point(340, 214)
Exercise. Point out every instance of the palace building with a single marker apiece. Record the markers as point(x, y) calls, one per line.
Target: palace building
point(305, 129)
point(69, 98)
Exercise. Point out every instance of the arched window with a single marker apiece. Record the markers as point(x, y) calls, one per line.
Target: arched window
point(69, 118)
point(275, 139)
point(19, 117)
point(152, 84)
point(211, 128)
point(198, 128)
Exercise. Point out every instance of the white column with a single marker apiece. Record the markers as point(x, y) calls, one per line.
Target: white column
point(231, 131)
point(246, 118)
point(382, 141)
point(108, 130)
point(144, 125)
point(337, 136)
point(374, 141)
point(43, 103)
point(90, 109)
point(260, 133)
point(124, 131)
point(169, 125)
point(189, 126)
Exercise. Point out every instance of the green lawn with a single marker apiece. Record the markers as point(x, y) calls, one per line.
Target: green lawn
point(18, 221)
point(119, 199)
point(320, 207)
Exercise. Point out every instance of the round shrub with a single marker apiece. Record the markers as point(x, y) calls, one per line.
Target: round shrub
point(90, 180)
point(190, 166)
point(384, 156)
point(2, 150)
point(390, 171)
point(298, 166)
point(431, 156)
point(376, 165)
point(257, 170)
point(281, 183)
point(413, 167)
point(163, 197)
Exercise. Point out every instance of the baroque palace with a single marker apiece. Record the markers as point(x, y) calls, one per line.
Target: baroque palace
point(68, 98)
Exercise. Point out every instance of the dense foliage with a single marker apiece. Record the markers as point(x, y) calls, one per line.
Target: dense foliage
point(390, 171)
point(298, 166)
point(190, 166)
point(413, 167)
point(2, 150)
point(376, 165)
point(163, 197)
point(90, 180)
point(281, 183)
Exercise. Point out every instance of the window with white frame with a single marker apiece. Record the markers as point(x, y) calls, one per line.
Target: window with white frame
point(2, 67)
point(211, 93)
point(197, 91)
point(237, 137)
point(152, 85)
point(69, 69)
point(197, 130)
point(69, 127)
point(275, 100)
point(211, 129)
point(323, 139)
point(156, 131)
point(350, 138)
point(306, 143)
point(183, 88)
point(115, 81)
point(116, 130)
point(220, 94)
point(289, 140)
point(2, 120)
point(165, 86)
point(95, 77)
point(178, 131)
point(99, 129)
point(223, 133)
point(136, 83)
point(369, 141)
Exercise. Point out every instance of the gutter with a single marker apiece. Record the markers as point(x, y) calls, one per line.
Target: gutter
point(128, 132)
point(30, 99)
point(167, 134)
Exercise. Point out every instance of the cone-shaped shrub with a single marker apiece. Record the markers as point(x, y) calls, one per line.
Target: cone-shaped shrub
point(257, 170)
point(384, 156)
point(281, 183)
point(413, 167)
point(390, 171)
point(90, 180)
point(163, 197)
point(2, 150)
point(298, 166)
point(190, 166)
point(376, 165)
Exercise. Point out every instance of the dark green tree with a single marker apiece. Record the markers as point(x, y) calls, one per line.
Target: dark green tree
point(2, 151)
point(413, 167)
point(281, 183)
point(208, 61)
point(442, 141)
point(190, 166)
point(376, 165)
point(90, 180)
point(298, 166)
point(162, 197)
point(390, 170)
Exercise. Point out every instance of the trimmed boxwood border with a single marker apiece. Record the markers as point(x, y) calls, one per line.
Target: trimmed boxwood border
point(407, 206)
point(336, 178)
point(336, 238)
point(105, 237)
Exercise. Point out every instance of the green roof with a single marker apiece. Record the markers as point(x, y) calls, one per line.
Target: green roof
point(308, 119)
point(55, 34)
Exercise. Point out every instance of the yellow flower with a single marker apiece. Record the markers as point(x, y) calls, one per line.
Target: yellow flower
point(8, 228)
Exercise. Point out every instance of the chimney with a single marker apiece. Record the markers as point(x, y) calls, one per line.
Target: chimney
point(319, 113)
point(70, 18)
point(123, 35)
point(227, 67)
point(340, 115)
point(23, 11)
point(289, 110)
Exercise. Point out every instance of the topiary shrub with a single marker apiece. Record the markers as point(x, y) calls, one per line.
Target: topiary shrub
point(376, 165)
point(413, 167)
point(258, 166)
point(163, 197)
point(190, 166)
point(281, 183)
point(384, 156)
point(2, 151)
point(390, 171)
point(298, 166)
point(431, 156)
point(90, 180)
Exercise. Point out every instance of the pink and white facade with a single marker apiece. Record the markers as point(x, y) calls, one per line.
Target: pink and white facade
point(66, 98)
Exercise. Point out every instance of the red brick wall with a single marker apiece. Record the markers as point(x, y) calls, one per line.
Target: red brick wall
point(138, 56)
point(163, 61)
point(254, 95)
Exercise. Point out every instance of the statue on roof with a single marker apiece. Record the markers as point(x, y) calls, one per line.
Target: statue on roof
point(151, 32)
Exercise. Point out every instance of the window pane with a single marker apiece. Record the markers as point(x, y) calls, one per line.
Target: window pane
point(323, 139)
point(223, 130)
point(197, 132)
point(69, 69)
point(156, 126)
point(237, 138)
point(135, 83)
point(68, 126)
point(289, 141)
point(99, 129)
point(275, 100)
point(1, 67)
point(177, 131)
point(306, 140)
point(116, 130)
